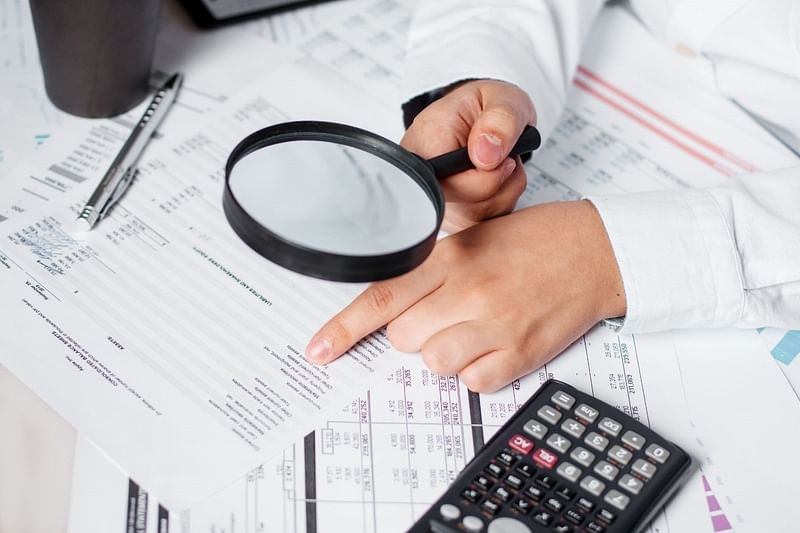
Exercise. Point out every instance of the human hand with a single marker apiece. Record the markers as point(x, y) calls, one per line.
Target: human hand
point(487, 116)
point(495, 301)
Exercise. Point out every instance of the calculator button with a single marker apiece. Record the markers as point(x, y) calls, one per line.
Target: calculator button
point(483, 482)
point(502, 493)
point(535, 429)
point(585, 504)
point(546, 480)
point(495, 470)
point(449, 511)
point(568, 471)
point(522, 505)
point(657, 453)
point(471, 495)
point(582, 456)
point(558, 443)
point(534, 493)
point(521, 444)
point(610, 426)
point(574, 516)
point(643, 468)
point(505, 524)
point(631, 484)
point(633, 439)
point(543, 517)
point(617, 499)
point(490, 507)
point(573, 428)
point(594, 527)
point(596, 441)
point(562, 399)
point(506, 457)
point(592, 485)
point(549, 414)
point(606, 470)
point(563, 528)
point(472, 523)
point(514, 482)
point(584, 412)
point(554, 504)
point(565, 493)
point(620, 454)
point(606, 515)
point(545, 458)
point(525, 469)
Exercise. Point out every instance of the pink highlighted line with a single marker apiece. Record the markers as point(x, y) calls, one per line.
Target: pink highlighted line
point(722, 169)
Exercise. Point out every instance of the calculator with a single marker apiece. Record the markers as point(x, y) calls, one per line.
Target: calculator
point(565, 462)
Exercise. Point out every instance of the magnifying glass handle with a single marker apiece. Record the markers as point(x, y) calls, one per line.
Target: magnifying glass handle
point(458, 160)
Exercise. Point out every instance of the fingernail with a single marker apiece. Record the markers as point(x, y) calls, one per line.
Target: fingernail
point(318, 350)
point(489, 152)
point(508, 169)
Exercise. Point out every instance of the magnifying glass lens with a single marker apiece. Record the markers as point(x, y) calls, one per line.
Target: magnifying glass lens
point(337, 202)
point(332, 198)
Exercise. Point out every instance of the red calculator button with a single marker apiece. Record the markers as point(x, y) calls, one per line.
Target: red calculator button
point(545, 458)
point(521, 444)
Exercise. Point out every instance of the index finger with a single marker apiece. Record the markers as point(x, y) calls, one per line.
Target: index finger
point(379, 304)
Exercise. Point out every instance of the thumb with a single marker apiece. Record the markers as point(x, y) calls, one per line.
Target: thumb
point(505, 114)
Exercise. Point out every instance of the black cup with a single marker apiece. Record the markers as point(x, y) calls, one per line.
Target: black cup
point(96, 55)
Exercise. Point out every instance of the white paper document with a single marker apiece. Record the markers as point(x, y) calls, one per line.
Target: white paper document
point(378, 462)
point(162, 330)
point(178, 351)
point(368, 462)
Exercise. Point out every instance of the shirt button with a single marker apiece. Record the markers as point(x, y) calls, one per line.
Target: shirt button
point(685, 51)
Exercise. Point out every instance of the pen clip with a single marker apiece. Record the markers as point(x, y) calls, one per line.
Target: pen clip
point(119, 190)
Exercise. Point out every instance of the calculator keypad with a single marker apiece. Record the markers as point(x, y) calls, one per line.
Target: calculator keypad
point(571, 472)
point(592, 485)
point(596, 441)
point(656, 452)
point(633, 440)
point(567, 468)
point(573, 428)
point(535, 429)
point(563, 400)
point(558, 443)
point(620, 454)
point(550, 415)
point(610, 426)
point(582, 456)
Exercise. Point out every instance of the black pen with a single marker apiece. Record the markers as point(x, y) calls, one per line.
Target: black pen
point(122, 170)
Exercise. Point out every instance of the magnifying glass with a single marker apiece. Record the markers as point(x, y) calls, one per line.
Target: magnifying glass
point(337, 202)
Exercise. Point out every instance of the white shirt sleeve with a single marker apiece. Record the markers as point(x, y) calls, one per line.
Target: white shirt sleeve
point(730, 255)
point(725, 256)
point(534, 44)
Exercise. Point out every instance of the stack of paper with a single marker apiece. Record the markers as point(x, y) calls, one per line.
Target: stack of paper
point(177, 350)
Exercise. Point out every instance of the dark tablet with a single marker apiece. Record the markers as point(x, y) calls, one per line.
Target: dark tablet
point(210, 13)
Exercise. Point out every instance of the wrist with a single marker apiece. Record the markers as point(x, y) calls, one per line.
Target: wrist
point(609, 291)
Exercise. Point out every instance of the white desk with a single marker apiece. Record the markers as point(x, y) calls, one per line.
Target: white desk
point(36, 450)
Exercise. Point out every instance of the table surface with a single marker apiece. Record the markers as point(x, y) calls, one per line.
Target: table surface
point(36, 452)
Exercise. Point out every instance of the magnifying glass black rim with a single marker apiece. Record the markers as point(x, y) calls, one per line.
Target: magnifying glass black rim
point(318, 263)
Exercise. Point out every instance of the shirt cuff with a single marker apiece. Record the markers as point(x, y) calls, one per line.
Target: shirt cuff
point(678, 259)
point(428, 70)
